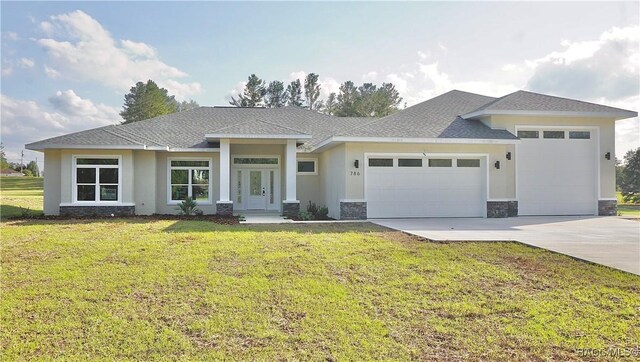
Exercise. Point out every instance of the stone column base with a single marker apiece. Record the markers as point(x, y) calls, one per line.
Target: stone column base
point(500, 209)
point(607, 207)
point(224, 208)
point(353, 210)
point(291, 208)
point(88, 211)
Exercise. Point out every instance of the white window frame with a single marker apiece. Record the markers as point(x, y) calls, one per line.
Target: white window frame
point(315, 166)
point(74, 180)
point(210, 169)
point(255, 165)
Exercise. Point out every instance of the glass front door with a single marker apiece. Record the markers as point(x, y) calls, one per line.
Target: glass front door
point(257, 190)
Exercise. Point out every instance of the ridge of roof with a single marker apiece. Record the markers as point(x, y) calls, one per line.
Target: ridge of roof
point(121, 128)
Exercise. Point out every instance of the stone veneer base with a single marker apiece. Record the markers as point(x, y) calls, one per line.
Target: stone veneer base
point(500, 209)
point(87, 211)
point(291, 209)
point(607, 207)
point(353, 210)
point(224, 208)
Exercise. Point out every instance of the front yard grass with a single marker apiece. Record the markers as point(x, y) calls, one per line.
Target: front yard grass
point(133, 289)
point(20, 195)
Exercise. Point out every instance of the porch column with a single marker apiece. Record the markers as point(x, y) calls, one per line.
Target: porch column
point(291, 205)
point(224, 206)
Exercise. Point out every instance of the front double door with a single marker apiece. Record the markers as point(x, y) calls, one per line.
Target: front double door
point(256, 189)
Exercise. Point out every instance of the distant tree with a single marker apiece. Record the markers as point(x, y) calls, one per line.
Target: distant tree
point(33, 167)
point(294, 93)
point(147, 100)
point(348, 99)
point(386, 100)
point(27, 172)
point(329, 106)
point(367, 100)
point(630, 177)
point(253, 94)
point(4, 164)
point(276, 95)
point(311, 90)
point(187, 106)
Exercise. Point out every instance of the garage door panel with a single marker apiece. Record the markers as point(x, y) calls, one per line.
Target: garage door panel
point(425, 191)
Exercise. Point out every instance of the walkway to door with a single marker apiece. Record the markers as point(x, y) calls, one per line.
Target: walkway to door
point(262, 217)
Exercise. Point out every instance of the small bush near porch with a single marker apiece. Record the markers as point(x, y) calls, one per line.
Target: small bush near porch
point(166, 289)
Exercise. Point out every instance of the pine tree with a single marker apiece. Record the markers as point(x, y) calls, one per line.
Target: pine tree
point(294, 93)
point(253, 94)
point(147, 100)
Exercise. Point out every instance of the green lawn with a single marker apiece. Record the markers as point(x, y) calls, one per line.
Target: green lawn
point(135, 289)
point(625, 209)
point(19, 195)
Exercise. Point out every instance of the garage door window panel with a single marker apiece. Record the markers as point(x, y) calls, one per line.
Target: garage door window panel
point(553, 134)
point(580, 135)
point(528, 134)
point(468, 163)
point(381, 162)
point(409, 162)
point(440, 162)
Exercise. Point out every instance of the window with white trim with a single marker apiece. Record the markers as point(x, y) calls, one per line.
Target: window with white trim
point(189, 178)
point(97, 179)
point(307, 166)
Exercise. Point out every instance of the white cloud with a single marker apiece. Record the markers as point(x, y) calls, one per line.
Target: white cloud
point(26, 63)
point(300, 75)
point(370, 76)
point(85, 51)
point(423, 56)
point(25, 121)
point(400, 83)
point(10, 35)
point(7, 68)
point(50, 72)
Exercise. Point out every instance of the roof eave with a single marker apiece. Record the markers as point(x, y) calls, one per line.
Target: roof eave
point(622, 114)
point(36, 147)
point(218, 136)
point(490, 141)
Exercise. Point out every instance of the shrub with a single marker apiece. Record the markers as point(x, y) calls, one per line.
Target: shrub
point(312, 208)
point(188, 207)
point(323, 213)
point(305, 215)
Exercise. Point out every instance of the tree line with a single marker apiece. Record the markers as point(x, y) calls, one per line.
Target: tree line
point(366, 100)
point(30, 169)
point(147, 100)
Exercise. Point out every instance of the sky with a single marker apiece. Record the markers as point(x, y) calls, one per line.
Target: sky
point(66, 66)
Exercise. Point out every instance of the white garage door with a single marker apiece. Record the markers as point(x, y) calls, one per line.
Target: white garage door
point(409, 186)
point(556, 172)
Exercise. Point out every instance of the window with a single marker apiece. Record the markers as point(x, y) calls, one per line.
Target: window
point(255, 160)
point(468, 163)
point(444, 162)
point(307, 167)
point(381, 162)
point(528, 134)
point(189, 178)
point(580, 135)
point(409, 162)
point(553, 134)
point(97, 179)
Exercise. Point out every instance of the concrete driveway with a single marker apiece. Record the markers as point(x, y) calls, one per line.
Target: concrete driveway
point(610, 241)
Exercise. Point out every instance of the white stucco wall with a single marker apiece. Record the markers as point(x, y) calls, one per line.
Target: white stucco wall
point(309, 186)
point(144, 182)
point(333, 179)
point(52, 182)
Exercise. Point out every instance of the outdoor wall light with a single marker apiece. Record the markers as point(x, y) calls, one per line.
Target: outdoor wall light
point(356, 163)
point(497, 165)
point(607, 155)
point(508, 155)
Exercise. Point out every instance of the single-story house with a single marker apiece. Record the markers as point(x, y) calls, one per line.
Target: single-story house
point(457, 155)
point(7, 172)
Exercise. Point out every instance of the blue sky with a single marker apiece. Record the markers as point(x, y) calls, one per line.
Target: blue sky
point(67, 66)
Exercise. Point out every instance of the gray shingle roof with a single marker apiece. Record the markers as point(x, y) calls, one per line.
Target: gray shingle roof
point(439, 117)
point(536, 102)
point(436, 118)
